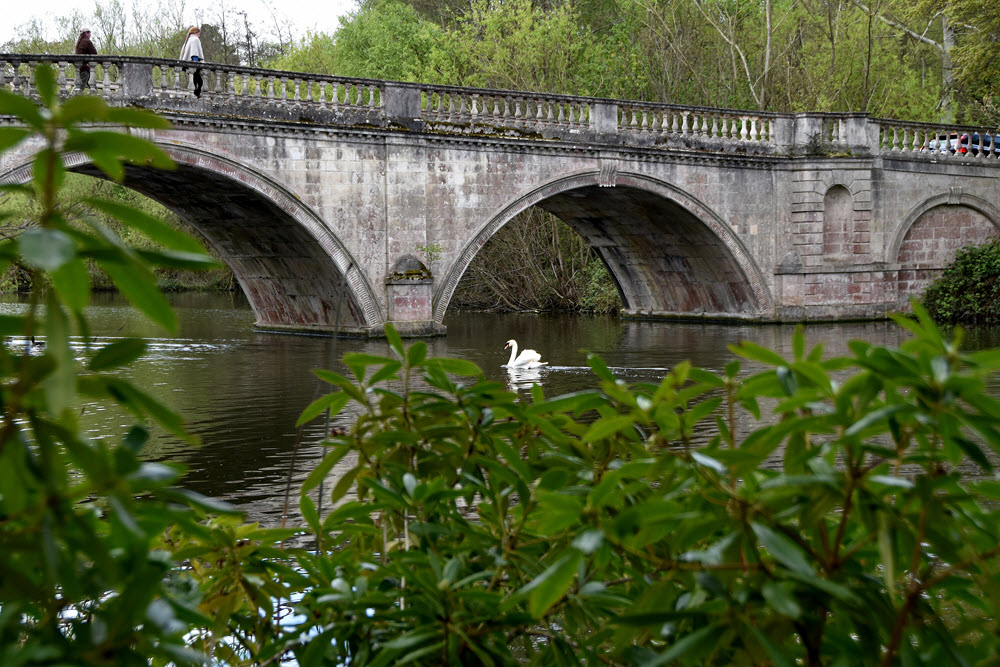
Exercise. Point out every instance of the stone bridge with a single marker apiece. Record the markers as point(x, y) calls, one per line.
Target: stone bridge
point(320, 192)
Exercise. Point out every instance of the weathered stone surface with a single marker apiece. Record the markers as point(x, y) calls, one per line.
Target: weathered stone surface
point(318, 192)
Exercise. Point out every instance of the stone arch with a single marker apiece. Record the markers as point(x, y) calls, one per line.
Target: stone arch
point(291, 266)
point(931, 234)
point(651, 282)
point(954, 198)
point(838, 216)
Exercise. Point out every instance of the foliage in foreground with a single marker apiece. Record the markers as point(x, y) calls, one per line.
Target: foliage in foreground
point(590, 528)
point(969, 289)
point(819, 512)
point(84, 577)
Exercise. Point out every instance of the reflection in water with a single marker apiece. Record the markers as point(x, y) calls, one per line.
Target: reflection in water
point(241, 391)
point(523, 378)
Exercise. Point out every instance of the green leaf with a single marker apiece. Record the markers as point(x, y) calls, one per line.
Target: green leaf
point(608, 426)
point(318, 474)
point(136, 118)
point(876, 416)
point(117, 354)
point(86, 108)
point(46, 249)
point(142, 405)
point(12, 136)
point(750, 350)
point(784, 550)
point(683, 645)
point(72, 282)
point(334, 402)
point(21, 107)
point(708, 462)
point(454, 366)
point(395, 341)
point(150, 225)
point(780, 599)
point(551, 585)
point(887, 552)
point(60, 386)
point(212, 505)
point(309, 513)
point(777, 656)
point(45, 83)
point(138, 285)
point(119, 146)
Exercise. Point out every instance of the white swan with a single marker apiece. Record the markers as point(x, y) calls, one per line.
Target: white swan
point(527, 358)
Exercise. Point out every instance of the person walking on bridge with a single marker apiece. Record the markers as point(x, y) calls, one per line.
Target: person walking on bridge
point(192, 51)
point(84, 47)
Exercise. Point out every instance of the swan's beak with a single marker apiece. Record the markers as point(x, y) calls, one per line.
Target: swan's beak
point(506, 346)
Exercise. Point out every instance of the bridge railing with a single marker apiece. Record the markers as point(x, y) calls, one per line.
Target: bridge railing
point(453, 105)
point(166, 84)
point(166, 79)
point(939, 140)
point(722, 125)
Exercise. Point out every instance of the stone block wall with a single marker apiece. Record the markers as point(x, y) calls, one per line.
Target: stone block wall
point(931, 242)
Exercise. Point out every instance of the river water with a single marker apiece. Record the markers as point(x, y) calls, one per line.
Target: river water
point(241, 391)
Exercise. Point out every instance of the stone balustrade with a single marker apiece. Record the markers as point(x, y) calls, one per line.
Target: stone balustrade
point(454, 105)
point(710, 124)
point(902, 137)
point(167, 85)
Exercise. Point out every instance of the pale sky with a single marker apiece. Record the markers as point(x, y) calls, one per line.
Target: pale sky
point(316, 15)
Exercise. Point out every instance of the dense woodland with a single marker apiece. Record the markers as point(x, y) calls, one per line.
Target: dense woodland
point(931, 60)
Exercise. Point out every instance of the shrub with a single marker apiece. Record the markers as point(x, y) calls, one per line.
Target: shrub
point(969, 289)
point(84, 576)
point(476, 529)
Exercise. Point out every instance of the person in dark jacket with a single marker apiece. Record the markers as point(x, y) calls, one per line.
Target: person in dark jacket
point(84, 47)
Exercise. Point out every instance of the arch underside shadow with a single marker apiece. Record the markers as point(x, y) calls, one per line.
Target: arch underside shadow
point(292, 279)
point(667, 253)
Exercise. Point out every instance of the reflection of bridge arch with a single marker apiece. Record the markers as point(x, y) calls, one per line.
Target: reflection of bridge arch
point(667, 251)
point(291, 266)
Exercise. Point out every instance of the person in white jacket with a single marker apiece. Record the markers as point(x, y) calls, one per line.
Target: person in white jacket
point(192, 51)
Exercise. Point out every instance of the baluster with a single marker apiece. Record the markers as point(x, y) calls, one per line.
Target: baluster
point(61, 81)
point(549, 115)
point(506, 106)
point(16, 77)
point(103, 84)
point(684, 122)
point(517, 107)
point(374, 101)
point(704, 125)
point(231, 86)
point(474, 111)
point(754, 134)
point(743, 128)
point(178, 77)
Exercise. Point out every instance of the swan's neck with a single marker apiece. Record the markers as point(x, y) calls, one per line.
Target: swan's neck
point(513, 353)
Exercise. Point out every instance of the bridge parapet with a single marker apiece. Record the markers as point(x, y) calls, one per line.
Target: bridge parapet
point(167, 85)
